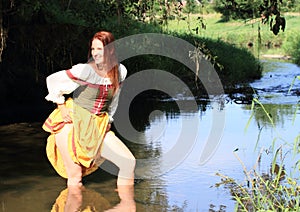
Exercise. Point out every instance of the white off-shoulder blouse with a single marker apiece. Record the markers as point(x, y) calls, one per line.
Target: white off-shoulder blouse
point(90, 91)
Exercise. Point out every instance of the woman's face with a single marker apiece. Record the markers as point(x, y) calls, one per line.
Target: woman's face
point(97, 51)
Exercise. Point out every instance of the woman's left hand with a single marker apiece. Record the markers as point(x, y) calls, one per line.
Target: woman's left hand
point(65, 113)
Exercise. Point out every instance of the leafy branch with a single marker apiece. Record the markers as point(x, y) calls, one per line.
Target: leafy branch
point(202, 52)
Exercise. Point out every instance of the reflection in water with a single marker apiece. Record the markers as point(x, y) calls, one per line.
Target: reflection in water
point(127, 202)
point(75, 199)
point(277, 113)
point(142, 107)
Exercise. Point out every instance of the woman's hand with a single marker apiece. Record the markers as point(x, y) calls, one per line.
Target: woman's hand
point(65, 113)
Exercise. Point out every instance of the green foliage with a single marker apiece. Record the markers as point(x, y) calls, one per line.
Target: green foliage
point(191, 6)
point(292, 46)
point(266, 192)
point(264, 9)
point(202, 53)
point(243, 68)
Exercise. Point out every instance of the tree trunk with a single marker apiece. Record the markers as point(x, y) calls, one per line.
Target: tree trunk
point(119, 11)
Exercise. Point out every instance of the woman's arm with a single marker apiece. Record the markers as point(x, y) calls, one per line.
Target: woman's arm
point(113, 106)
point(65, 82)
point(59, 84)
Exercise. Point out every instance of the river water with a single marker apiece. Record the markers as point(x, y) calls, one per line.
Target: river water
point(224, 133)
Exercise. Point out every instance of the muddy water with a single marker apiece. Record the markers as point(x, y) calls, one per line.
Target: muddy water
point(29, 183)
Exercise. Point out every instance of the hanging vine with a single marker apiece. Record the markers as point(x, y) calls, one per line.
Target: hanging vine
point(3, 33)
point(3, 36)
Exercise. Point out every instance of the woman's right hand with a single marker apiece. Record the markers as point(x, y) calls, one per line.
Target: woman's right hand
point(65, 113)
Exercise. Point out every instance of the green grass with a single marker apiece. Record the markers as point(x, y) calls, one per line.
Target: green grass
point(239, 33)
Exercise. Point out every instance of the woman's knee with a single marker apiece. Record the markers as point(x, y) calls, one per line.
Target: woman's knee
point(127, 166)
point(118, 153)
point(131, 162)
point(128, 161)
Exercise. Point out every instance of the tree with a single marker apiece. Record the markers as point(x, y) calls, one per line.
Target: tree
point(267, 10)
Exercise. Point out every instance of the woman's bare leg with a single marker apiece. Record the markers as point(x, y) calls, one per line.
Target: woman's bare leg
point(115, 151)
point(73, 169)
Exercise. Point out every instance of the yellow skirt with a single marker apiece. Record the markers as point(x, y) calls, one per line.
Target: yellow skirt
point(84, 140)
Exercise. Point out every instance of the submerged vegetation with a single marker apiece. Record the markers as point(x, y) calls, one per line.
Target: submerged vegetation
point(270, 191)
point(277, 189)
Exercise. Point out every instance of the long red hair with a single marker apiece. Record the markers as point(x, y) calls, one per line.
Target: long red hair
point(110, 58)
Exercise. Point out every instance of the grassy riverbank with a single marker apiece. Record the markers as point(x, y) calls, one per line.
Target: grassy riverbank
point(236, 45)
point(234, 64)
point(250, 34)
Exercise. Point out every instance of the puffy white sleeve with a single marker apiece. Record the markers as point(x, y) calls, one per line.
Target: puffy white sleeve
point(114, 104)
point(60, 83)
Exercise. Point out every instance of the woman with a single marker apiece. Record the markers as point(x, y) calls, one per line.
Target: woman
point(80, 127)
